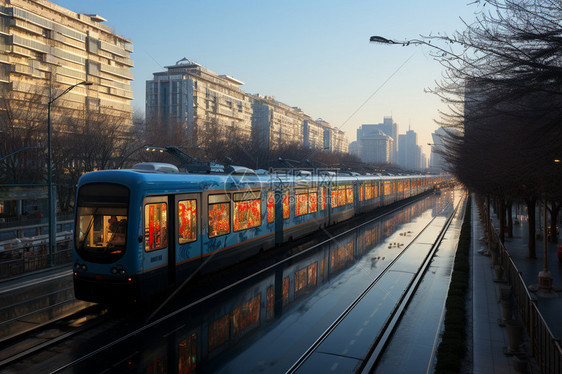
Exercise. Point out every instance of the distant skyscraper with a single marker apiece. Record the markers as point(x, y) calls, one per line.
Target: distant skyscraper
point(437, 163)
point(390, 128)
point(409, 153)
point(374, 146)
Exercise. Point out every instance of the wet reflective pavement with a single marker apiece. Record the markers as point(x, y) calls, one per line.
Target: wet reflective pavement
point(265, 325)
point(413, 345)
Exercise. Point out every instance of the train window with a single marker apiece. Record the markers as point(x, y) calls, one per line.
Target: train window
point(155, 226)
point(101, 222)
point(312, 201)
point(286, 207)
point(247, 210)
point(187, 218)
point(270, 206)
point(341, 195)
point(334, 197)
point(349, 193)
point(323, 198)
point(301, 202)
point(219, 215)
point(369, 192)
point(360, 191)
point(387, 188)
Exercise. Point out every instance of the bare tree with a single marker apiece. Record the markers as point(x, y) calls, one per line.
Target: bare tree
point(93, 141)
point(22, 138)
point(502, 84)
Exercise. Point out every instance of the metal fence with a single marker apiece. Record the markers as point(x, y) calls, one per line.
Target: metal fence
point(545, 347)
point(29, 251)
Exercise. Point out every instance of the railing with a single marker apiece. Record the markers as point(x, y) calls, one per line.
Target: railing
point(545, 347)
point(29, 250)
point(30, 228)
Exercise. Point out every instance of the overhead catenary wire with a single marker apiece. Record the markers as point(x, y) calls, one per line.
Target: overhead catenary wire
point(377, 90)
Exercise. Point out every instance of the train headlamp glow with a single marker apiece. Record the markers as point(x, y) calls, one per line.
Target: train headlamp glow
point(118, 270)
point(84, 267)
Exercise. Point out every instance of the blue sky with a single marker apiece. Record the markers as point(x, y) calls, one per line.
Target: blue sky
point(312, 54)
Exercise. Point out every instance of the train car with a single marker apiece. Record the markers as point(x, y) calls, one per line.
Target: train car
point(140, 232)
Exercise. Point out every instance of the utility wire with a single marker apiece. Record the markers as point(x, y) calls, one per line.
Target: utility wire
point(377, 90)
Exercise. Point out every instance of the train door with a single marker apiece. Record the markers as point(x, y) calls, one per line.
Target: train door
point(156, 222)
point(188, 247)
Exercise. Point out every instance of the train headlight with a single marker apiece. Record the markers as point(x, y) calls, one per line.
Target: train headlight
point(84, 267)
point(118, 270)
point(77, 266)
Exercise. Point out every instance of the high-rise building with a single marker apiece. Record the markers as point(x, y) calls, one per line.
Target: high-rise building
point(437, 163)
point(374, 145)
point(275, 124)
point(199, 100)
point(45, 49)
point(409, 152)
point(313, 134)
point(390, 128)
point(196, 98)
point(339, 142)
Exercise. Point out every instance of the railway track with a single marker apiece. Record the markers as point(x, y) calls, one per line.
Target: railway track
point(366, 362)
point(131, 328)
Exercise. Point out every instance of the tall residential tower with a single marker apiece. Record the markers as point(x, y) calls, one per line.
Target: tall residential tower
point(45, 48)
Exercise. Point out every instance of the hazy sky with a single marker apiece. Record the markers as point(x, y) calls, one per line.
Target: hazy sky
point(313, 54)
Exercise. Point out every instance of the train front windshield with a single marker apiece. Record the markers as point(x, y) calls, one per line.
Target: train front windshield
point(101, 222)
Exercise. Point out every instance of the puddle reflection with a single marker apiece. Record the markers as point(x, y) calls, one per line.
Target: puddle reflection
point(208, 336)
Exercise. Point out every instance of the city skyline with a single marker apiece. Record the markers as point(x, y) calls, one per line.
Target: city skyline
point(313, 55)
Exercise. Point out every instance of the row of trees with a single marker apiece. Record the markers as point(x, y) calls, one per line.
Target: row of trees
point(84, 141)
point(503, 85)
point(220, 144)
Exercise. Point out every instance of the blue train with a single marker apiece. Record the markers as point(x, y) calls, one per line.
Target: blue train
point(139, 232)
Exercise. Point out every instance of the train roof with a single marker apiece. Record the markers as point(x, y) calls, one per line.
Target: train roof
point(158, 174)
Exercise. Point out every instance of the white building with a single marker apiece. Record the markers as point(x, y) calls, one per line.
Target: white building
point(374, 146)
point(275, 124)
point(198, 98)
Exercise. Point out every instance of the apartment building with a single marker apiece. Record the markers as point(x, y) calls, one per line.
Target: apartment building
point(313, 134)
point(275, 124)
point(200, 100)
point(339, 142)
point(45, 49)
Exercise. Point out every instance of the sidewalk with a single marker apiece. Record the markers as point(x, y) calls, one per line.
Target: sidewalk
point(489, 338)
point(550, 305)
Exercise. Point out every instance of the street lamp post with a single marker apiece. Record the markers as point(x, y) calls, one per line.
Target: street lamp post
point(442, 52)
point(51, 193)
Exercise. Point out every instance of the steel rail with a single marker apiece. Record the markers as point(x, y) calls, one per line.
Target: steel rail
point(380, 344)
point(409, 291)
point(149, 325)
